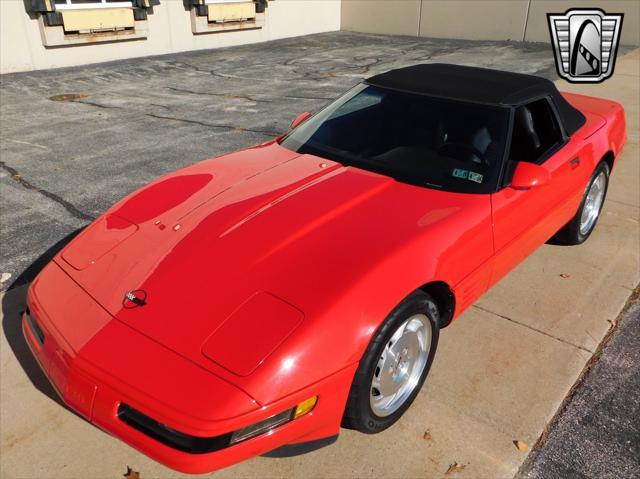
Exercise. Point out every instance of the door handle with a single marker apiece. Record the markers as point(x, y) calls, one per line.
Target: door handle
point(574, 163)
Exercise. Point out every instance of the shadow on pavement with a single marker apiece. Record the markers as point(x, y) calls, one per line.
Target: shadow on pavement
point(13, 304)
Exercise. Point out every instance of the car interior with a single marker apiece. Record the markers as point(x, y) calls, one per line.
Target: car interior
point(435, 140)
point(535, 132)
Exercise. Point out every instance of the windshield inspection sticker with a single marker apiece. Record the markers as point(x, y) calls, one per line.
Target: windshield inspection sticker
point(458, 173)
point(477, 177)
point(467, 175)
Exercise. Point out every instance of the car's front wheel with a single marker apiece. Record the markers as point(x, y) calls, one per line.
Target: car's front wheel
point(394, 366)
point(583, 223)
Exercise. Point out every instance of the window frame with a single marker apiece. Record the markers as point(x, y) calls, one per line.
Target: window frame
point(94, 5)
point(508, 165)
point(211, 2)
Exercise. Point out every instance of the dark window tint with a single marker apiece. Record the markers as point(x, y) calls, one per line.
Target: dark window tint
point(535, 132)
point(422, 140)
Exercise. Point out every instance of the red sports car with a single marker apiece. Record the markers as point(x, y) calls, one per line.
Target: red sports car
point(258, 301)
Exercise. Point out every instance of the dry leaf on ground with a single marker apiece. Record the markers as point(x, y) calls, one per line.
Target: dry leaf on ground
point(131, 474)
point(565, 275)
point(454, 468)
point(520, 445)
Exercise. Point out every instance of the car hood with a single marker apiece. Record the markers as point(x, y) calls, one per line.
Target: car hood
point(199, 243)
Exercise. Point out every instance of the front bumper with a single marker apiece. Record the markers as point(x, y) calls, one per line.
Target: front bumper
point(98, 366)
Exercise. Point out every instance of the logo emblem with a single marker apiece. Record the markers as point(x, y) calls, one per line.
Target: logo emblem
point(134, 299)
point(585, 43)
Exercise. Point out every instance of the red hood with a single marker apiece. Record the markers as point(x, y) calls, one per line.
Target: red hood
point(265, 219)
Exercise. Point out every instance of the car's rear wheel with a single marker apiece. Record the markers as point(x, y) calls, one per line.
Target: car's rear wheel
point(394, 366)
point(583, 223)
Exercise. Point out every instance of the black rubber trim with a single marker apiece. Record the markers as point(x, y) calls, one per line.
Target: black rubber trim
point(38, 333)
point(171, 437)
point(290, 450)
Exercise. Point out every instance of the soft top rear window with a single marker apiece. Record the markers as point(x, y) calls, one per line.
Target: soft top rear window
point(421, 140)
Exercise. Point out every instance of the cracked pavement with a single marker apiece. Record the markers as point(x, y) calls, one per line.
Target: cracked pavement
point(64, 163)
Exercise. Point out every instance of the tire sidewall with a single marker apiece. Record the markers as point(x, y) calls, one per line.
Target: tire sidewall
point(602, 167)
point(421, 303)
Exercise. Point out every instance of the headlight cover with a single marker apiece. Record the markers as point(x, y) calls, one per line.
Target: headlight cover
point(274, 421)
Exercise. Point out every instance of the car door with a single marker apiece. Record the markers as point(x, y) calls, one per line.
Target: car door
point(524, 219)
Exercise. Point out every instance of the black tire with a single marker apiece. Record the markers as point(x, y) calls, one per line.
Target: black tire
point(570, 234)
point(359, 414)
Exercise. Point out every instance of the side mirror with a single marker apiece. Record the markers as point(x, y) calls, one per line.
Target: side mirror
point(300, 118)
point(528, 175)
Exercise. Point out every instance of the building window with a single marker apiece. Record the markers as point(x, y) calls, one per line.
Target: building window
point(210, 16)
point(68, 22)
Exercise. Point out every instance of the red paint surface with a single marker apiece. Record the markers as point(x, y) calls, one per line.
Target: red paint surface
point(263, 322)
point(99, 238)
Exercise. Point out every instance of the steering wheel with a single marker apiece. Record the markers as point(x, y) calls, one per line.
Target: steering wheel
point(450, 146)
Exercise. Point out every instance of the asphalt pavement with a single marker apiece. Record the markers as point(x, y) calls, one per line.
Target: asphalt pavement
point(596, 434)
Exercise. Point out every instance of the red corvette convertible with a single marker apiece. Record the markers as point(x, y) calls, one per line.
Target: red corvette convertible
point(259, 301)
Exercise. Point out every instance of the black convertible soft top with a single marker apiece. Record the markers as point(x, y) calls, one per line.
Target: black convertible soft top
point(480, 85)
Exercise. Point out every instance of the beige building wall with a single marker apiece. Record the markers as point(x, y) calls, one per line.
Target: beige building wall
point(476, 19)
point(21, 47)
point(394, 17)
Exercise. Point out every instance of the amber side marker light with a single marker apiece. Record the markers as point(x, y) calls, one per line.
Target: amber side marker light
point(262, 427)
point(305, 407)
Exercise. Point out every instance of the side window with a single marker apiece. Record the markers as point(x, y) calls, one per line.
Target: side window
point(535, 131)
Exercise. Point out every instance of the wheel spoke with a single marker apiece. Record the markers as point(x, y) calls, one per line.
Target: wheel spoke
point(375, 385)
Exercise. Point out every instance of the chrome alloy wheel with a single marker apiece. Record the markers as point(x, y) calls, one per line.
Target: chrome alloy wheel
point(401, 365)
point(593, 203)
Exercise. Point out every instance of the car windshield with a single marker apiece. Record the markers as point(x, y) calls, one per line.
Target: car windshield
point(426, 141)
